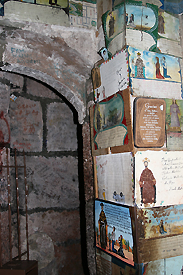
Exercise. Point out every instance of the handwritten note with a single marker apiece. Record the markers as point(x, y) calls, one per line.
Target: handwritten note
point(172, 173)
point(121, 79)
point(26, 116)
point(114, 76)
point(111, 137)
point(114, 174)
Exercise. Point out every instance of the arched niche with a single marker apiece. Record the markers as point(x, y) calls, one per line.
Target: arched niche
point(49, 59)
point(70, 95)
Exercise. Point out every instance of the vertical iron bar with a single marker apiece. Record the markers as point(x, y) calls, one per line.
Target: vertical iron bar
point(0, 240)
point(26, 194)
point(18, 212)
point(9, 203)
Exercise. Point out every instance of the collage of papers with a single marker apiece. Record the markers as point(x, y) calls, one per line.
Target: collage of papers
point(136, 134)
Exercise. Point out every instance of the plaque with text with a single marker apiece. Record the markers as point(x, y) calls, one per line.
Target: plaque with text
point(149, 122)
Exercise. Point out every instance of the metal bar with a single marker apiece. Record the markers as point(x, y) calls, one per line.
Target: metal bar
point(18, 213)
point(22, 254)
point(0, 240)
point(26, 194)
point(9, 203)
point(12, 166)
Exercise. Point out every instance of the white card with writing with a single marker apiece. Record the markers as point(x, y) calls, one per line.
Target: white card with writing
point(114, 177)
point(114, 76)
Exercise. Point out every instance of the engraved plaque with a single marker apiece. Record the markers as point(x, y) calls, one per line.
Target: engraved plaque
point(149, 122)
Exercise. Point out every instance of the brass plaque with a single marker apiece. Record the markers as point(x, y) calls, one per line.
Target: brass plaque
point(149, 122)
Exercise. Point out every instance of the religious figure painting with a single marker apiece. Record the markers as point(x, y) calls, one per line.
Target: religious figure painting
point(168, 25)
point(141, 22)
point(139, 67)
point(113, 230)
point(102, 227)
point(174, 124)
point(141, 17)
point(111, 126)
point(160, 221)
point(114, 28)
point(151, 65)
point(147, 184)
point(161, 22)
point(158, 178)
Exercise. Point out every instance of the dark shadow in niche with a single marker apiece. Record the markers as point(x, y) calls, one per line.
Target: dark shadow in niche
point(81, 185)
point(82, 200)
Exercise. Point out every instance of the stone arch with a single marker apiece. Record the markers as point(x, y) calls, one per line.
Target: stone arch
point(50, 208)
point(70, 95)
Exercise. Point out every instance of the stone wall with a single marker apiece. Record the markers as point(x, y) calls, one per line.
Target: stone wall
point(38, 42)
point(45, 126)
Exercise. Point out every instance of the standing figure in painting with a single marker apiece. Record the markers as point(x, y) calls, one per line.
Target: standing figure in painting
point(102, 227)
point(126, 18)
point(131, 21)
point(147, 184)
point(120, 251)
point(161, 23)
point(161, 228)
point(55, 3)
point(113, 239)
point(174, 113)
point(111, 24)
point(158, 73)
point(139, 67)
point(164, 64)
point(110, 241)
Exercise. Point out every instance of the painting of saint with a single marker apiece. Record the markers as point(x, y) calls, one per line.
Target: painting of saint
point(158, 73)
point(139, 67)
point(161, 23)
point(164, 64)
point(103, 227)
point(111, 24)
point(174, 113)
point(147, 184)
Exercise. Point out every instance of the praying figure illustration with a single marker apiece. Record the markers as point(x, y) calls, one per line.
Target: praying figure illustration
point(164, 64)
point(147, 184)
point(158, 73)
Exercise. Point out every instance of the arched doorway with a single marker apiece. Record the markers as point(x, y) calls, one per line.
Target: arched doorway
point(45, 125)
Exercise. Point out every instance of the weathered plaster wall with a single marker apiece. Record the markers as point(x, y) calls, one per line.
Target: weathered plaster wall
point(35, 13)
point(48, 58)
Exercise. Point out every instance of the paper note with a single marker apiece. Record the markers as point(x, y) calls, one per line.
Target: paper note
point(114, 177)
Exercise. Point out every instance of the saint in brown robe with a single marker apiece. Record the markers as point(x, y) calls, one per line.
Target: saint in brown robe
point(148, 186)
